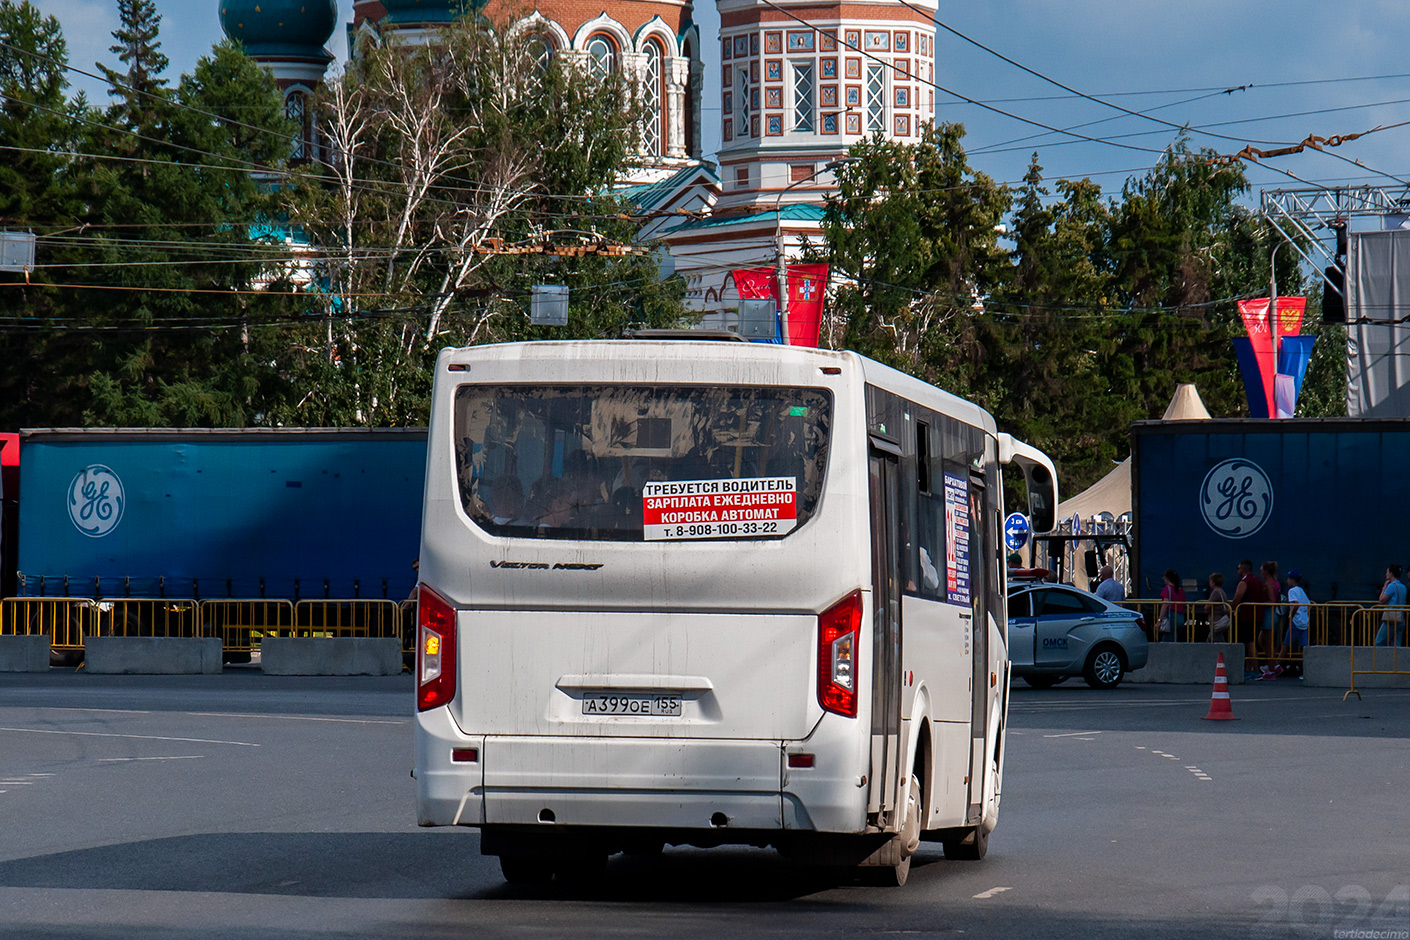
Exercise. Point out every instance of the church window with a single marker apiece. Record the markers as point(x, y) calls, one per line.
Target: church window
point(601, 57)
point(803, 96)
point(296, 110)
point(651, 135)
point(741, 102)
point(876, 98)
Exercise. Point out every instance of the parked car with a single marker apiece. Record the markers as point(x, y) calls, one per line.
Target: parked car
point(1057, 631)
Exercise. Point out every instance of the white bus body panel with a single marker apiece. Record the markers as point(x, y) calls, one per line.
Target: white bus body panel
point(731, 625)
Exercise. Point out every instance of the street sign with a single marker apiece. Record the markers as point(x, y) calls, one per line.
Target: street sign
point(1016, 530)
point(1076, 524)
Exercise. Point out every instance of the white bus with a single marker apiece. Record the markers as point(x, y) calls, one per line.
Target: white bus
point(703, 593)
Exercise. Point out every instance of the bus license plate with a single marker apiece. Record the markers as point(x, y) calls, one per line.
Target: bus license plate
point(644, 705)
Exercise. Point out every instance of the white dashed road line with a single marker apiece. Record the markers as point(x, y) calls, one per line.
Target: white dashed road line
point(986, 895)
point(1199, 774)
point(1071, 734)
point(117, 760)
point(140, 737)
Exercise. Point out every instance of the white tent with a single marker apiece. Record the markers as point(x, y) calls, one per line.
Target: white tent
point(1112, 493)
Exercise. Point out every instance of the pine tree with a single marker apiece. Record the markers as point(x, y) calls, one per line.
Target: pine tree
point(141, 88)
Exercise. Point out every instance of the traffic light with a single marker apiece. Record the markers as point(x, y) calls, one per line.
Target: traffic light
point(1334, 301)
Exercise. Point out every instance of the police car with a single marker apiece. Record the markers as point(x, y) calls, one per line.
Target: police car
point(1057, 631)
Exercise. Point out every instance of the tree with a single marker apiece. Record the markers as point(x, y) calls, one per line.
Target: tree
point(138, 90)
point(173, 227)
point(1044, 370)
point(912, 238)
point(38, 131)
point(454, 171)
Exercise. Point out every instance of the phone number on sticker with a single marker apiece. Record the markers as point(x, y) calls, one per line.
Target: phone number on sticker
point(719, 530)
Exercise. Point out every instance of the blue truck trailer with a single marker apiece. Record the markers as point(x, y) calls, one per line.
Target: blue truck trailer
point(294, 513)
point(1328, 496)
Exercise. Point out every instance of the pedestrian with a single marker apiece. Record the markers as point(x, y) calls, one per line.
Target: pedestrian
point(1218, 610)
point(1250, 593)
point(1392, 631)
point(1295, 640)
point(1269, 621)
point(1110, 589)
point(1172, 606)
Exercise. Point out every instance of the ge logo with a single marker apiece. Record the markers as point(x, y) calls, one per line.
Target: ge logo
point(1237, 498)
point(96, 501)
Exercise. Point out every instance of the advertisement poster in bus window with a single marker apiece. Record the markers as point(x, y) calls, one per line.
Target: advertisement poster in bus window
point(756, 507)
point(957, 539)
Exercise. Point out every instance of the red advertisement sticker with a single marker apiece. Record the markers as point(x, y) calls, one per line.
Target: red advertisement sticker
point(719, 509)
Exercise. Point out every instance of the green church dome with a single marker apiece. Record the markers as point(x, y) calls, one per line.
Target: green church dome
point(426, 11)
point(281, 27)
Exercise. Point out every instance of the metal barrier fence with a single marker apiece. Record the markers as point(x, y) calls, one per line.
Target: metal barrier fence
point(239, 623)
point(65, 620)
point(360, 618)
point(1379, 633)
point(408, 629)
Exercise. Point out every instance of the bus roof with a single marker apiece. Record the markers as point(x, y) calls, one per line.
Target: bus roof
point(648, 349)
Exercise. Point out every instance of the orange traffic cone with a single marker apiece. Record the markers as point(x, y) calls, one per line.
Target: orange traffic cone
point(1219, 707)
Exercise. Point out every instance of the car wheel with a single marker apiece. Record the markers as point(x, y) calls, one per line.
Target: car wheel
point(1043, 682)
point(1105, 667)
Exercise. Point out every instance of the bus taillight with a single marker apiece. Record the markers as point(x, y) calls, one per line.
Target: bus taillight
point(435, 650)
point(839, 633)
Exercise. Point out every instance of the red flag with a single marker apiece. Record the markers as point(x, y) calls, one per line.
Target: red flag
point(756, 283)
point(1290, 311)
point(1255, 314)
point(807, 283)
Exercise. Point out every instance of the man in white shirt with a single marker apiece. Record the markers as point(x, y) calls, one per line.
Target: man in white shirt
point(1110, 589)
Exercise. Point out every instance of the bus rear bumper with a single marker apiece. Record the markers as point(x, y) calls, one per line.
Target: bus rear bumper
point(712, 785)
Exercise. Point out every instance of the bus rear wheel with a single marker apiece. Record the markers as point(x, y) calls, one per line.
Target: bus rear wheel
point(970, 847)
point(526, 870)
point(890, 865)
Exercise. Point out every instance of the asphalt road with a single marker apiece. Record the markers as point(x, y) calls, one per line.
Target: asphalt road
point(240, 806)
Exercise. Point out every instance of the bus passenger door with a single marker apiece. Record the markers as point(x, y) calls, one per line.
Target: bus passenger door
point(981, 546)
point(885, 775)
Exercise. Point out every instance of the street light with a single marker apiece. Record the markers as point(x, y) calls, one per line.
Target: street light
point(781, 271)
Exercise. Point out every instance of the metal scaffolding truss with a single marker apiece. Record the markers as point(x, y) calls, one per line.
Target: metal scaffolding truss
point(1305, 217)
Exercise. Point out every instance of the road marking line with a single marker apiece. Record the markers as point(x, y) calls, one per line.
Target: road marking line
point(350, 721)
point(17, 783)
point(1071, 734)
point(986, 895)
point(72, 708)
point(113, 760)
point(140, 737)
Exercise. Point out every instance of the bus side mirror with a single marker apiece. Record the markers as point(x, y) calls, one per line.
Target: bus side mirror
point(1040, 477)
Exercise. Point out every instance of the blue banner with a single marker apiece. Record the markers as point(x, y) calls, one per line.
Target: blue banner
point(1294, 353)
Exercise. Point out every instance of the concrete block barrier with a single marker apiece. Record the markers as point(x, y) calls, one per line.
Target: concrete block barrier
point(152, 655)
point(330, 656)
point(24, 653)
point(1330, 667)
point(1190, 663)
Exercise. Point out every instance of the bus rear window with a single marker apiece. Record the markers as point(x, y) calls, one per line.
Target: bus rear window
point(640, 463)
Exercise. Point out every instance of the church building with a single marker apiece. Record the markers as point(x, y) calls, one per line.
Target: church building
point(800, 82)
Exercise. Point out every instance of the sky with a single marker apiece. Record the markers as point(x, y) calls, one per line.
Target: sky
point(1297, 65)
